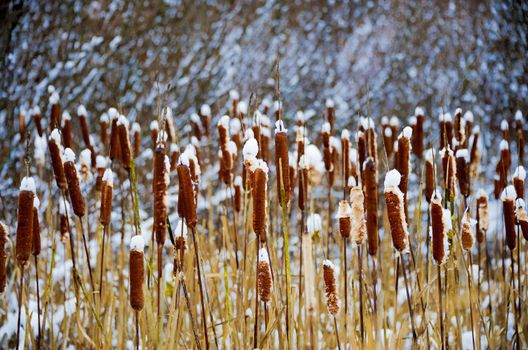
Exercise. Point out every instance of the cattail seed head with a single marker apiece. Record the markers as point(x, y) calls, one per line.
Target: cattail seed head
point(371, 200)
point(265, 280)
point(107, 187)
point(260, 178)
point(136, 133)
point(160, 187)
point(429, 174)
point(54, 147)
point(38, 120)
point(482, 215)
point(440, 226)
point(67, 129)
point(449, 169)
point(518, 181)
point(332, 300)
point(185, 183)
point(55, 117)
point(522, 217)
point(467, 236)
point(330, 112)
point(83, 115)
point(3, 256)
point(282, 163)
point(115, 145)
point(24, 233)
point(462, 171)
point(238, 193)
point(303, 183)
point(358, 227)
point(508, 198)
point(74, 189)
point(395, 210)
point(36, 246)
point(104, 123)
point(137, 273)
point(124, 142)
point(418, 132)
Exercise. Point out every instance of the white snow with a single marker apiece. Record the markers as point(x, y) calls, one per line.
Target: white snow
point(299, 116)
point(36, 202)
point(384, 120)
point(105, 118)
point(232, 147)
point(55, 136)
point(325, 128)
point(412, 120)
point(205, 110)
point(314, 223)
point(462, 153)
point(261, 164)
point(66, 115)
point(112, 113)
point(28, 184)
point(54, 98)
point(36, 110)
point(181, 229)
point(235, 126)
point(519, 203)
point(329, 103)
point(238, 180)
point(108, 177)
point(263, 255)
point(233, 94)
point(279, 127)
point(394, 121)
point(135, 128)
point(392, 179)
point(351, 181)
point(458, 111)
point(388, 132)
point(100, 161)
point(419, 112)
point(504, 145)
point(69, 155)
point(468, 116)
point(508, 193)
point(250, 148)
point(504, 125)
point(85, 157)
point(518, 115)
point(520, 172)
point(224, 122)
point(154, 125)
point(81, 110)
point(429, 154)
point(242, 107)
point(184, 159)
point(329, 264)
point(122, 121)
point(137, 243)
point(407, 132)
point(344, 209)
point(345, 134)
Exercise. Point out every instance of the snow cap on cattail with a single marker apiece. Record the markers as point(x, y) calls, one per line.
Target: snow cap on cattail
point(467, 236)
point(264, 278)
point(332, 300)
point(504, 125)
point(395, 211)
point(518, 180)
point(136, 272)
point(508, 197)
point(24, 230)
point(314, 224)
point(250, 148)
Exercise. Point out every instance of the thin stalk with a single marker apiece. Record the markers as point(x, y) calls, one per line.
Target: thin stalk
point(346, 289)
point(336, 333)
point(517, 318)
point(38, 303)
point(408, 299)
point(439, 270)
point(198, 270)
point(519, 308)
point(137, 330)
point(87, 256)
point(470, 276)
point(360, 258)
point(105, 227)
point(255, 329)
point(301, 232)
point(20, 304)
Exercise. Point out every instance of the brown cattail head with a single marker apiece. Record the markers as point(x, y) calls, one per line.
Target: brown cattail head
point(195, 119)
point(22, 125)
point(55, 117)
point(303, 183)
point(404, 158)
point(124, 142)
point(265, 280)
point(160, 186)
point(449, 168)
point(104, 123)
point(522, 217)
point(462, 171)
point(67, 129)
point(344, 220)
point(74, 189)
point(54, 147)
point(508, 205)
point(467, 237)
point(330, 113)
point(282, 163)
point(223, 137)
point(474, 154)
point(107, 187)
point(154, 130)
point(24, 233)
point(446, 130)
point(37, 118)
point(505, 156)
point(362, 152)
point(260, 179)
point(205, 114)
point(482, 215)
point(332, 300)
point(358, 226)
point(100, 166)
point(325, 133)
point(36, 246)
point(395, 211)
point(3, 256)
point(429, 174)
point(136, 134)
point(170, 129)
point(174, 156)
point(459, 127)
point(185, 183)
point(83, 115)
point(238, 193)
point(418, 132)
point(115, 145)
point(518, 181)
point(180, 234)
point(371, 200)
point(345, 152)
point(440, 226)
point(137, 272)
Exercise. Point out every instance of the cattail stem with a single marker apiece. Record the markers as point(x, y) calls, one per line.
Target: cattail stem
point(87, 256)
point(360, 260)
point(38, 302)
point(20, 294)
point(301, 233)
point(198, 270)
point(336, 333)
point(470, 277)
point(441, 316)
point(516, 310)
point(137, 329)
point(255, 329)
point(519, 308)
point(345, 286)
point(409, 304)
point(101, 274)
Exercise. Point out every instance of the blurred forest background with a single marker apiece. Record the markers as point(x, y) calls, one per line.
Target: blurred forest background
point(438, 54)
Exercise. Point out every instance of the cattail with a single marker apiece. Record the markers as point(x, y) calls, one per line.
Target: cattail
point(205, 113)
point(418, 132)
point(238, 193)
point(403, 162)
point(394, 124)
point(467, 237)
point(468, 121)
point(362, 151)
point(395, 211)
point(100, 167)
point(24, 231)
point(264, 147)
point(67, 129)
point(174, 151)
point(508, 198)
point(249, 152)
point(459, 127)
point(371, 200)
point(37, 118)
point(474, 154)
point(345, 151)
point(505, 128)
point(136, 272)
point(260, 178)
point(497, 187)
point(303, 183)
point(169, 124)
point(449, 167)
point(446, 130)
point(83, 115)
point(85, 159)
point(265, 280)
point(282, 162)
point(325, 133)
point(104, 123)
point(36, 246)
point(482, 215)
point(521, 216)
point(54, 147)
point(160, 187)
point(223, 137)
point(462, 171)
point(124, 142)
point(330, 113)
point(3, 256)
point(387, 141)
point(185, 184)
point(429, 174)
point(115, 146)
point(440, 227)
point(64, 209)
point(343, 217)
point(358, 227)
point(372, 139)
point(180, 235)
point(520, 134)
point(234, 96)
point(154, 130)
point(505, 156)
point(235, 128)
point(74, 189)
point(518, 181)
point(107, 187)
point(136, 133)
point(332, 300)
point(55, 118)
